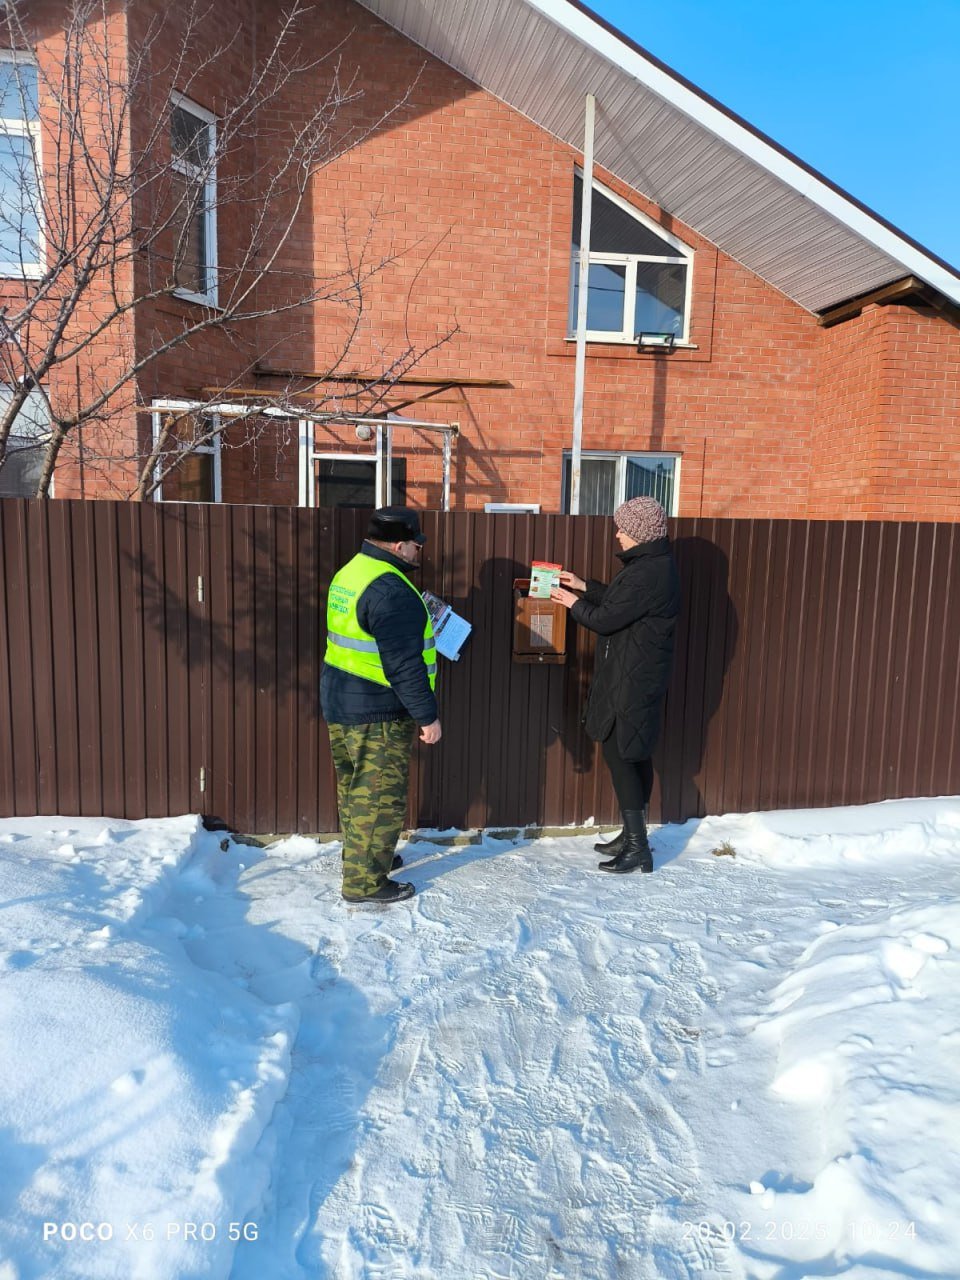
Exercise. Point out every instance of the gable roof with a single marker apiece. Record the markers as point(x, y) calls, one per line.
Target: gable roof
point(670, 141)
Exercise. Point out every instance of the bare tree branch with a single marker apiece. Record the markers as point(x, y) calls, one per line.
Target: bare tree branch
point(115, 203)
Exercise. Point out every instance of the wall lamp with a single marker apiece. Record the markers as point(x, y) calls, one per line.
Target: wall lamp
point(656, 341)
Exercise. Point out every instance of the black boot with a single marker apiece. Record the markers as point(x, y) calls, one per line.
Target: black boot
point(390, 891)
point(610, 847)
point(614, 846)
point(635, 852)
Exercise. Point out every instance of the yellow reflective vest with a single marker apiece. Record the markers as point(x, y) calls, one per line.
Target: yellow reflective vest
point(349, 647)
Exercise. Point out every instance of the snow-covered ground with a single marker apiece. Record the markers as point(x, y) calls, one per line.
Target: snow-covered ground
point(744, 1065)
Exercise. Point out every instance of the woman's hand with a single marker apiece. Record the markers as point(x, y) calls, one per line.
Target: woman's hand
point(571, 580)
point(566, 598)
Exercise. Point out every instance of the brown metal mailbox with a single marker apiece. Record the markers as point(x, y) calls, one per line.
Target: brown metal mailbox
point(539, 627)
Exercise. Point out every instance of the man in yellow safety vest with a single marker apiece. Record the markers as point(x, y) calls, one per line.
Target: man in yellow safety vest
point(378, 681)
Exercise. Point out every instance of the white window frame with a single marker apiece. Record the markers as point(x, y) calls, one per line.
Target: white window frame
point(209, 298)
point(313, 456)
point(16, 128)
point(684, 257)
point(161, 408)
point(622, 457)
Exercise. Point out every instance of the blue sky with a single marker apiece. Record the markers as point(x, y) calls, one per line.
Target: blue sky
point(865, 91)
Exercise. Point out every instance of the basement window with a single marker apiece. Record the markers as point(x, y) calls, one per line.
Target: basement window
point(639, 278)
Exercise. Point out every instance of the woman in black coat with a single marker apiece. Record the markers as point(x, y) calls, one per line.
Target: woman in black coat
point(634, 619)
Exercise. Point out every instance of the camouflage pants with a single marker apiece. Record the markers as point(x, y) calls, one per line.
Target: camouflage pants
point(373, 764)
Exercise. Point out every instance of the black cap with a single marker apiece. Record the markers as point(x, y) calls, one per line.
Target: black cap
point(396, 524)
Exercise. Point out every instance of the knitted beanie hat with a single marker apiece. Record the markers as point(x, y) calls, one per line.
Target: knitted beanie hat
point(642, 519)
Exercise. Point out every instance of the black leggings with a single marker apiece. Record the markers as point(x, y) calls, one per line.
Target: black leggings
point(632, 779)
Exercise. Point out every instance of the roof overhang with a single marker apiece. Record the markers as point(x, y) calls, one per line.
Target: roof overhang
point(674, 144)
point(908, 290)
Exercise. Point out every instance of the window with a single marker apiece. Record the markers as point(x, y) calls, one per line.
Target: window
point(639, 275)
point(20, 240)
point(26, 444)
point(197, 478)
point(344, 481)
point(194, 196)
point(607, 479)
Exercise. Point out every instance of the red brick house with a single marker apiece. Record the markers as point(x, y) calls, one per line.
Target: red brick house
point(756, 343)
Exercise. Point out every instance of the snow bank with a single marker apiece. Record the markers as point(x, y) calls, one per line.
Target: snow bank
point(866, 1031)
point(869, 834)
point(135, 1085)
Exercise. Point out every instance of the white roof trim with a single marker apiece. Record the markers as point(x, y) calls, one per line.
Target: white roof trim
point(672, 144)
point(591, 33)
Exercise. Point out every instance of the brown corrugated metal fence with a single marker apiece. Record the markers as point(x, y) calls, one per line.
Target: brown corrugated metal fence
point(166, 659)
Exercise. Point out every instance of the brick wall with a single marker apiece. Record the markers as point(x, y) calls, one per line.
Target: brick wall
point(915, 472)
point(887, 434)
point(847, 415)
point(772, 415)
point(74, 382)
point(456, 211)
point(218, 359)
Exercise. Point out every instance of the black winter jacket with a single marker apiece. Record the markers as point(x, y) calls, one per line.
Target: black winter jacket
point(634, 618)
point(395, 617)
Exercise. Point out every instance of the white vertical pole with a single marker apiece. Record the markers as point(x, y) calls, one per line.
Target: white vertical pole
point(388, 465)
point(447, 459)
point(583, 277)
point(157, 422)
point(379, 482)
point(305, 497)
point(217, 461)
